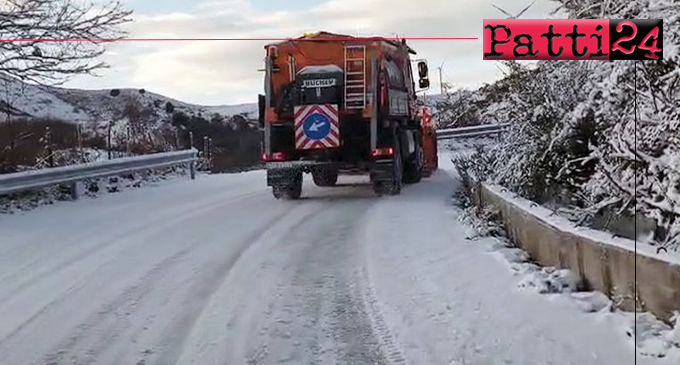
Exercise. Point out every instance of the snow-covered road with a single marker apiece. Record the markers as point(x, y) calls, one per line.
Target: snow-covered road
point(216, 271)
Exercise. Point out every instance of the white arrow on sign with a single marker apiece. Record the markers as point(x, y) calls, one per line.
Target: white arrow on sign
point(315, 127)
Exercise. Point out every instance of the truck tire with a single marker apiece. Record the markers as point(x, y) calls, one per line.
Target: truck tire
point(391, 186)
point(292, 191)
point(413, 169)
point(394, 186)
point(325, 177)
point(379, 188)
point(278, 191)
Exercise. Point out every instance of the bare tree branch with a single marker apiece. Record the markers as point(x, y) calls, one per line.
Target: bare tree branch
point(30, 31)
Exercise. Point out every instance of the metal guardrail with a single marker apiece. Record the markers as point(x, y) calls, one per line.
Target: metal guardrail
point(36, 179)
point(473, 131)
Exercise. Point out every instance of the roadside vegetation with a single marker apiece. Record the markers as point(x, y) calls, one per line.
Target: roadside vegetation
point(598, 140)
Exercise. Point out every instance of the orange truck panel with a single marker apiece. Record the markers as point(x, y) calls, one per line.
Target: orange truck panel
point(322, 52)
point(429, 142)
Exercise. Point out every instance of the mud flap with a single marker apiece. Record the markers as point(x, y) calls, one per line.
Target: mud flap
point(282, 177)
point(382, 171)
point(285, 183)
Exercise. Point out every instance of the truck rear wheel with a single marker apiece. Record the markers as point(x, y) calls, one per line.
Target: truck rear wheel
point(291, 191)
point(413, 169)
point(325, 177)
point(394, 185)
point(380, 188)
point(389, 175)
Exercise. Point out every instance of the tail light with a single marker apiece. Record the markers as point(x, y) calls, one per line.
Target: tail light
point(276, 156)
point(382, 152)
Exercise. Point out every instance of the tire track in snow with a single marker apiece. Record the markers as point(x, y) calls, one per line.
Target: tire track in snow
point(277, 327)
point(246, 305)
point(147, 227)
point(124, 305)
point(113, 317)
point(108, 255)
point(92, 223)
point(389, 345)
point(199, 297)
point(319, 315)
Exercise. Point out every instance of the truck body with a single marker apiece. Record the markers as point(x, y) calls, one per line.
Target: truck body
point(338, 104)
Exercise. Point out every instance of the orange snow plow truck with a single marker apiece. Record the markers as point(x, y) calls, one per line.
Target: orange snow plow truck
point(337, 104)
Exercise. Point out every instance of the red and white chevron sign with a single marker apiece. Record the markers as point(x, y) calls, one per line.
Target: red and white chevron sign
point(317, 126)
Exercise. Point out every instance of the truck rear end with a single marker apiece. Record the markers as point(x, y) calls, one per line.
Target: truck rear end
point(336, 104)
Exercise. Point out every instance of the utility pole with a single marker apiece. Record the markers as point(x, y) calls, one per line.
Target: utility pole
point(441, 84)
point(113, 93)
point(441, 79)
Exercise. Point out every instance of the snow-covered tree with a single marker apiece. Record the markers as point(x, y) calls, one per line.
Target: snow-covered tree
point(575, 131)
point(458, 109)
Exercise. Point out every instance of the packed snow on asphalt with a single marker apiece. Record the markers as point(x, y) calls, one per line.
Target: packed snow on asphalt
point(216, 271)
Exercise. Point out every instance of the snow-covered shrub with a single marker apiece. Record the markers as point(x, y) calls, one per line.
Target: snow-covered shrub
point(576, 139)
point(459, 109)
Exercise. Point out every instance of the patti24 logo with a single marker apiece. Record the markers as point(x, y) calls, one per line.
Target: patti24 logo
point(573, 39)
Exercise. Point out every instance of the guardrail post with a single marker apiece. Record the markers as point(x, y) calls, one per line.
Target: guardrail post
point(108, 141)
point(79, 136)
point(48, 146)
point(192, 170)
point(210, 153)
point(127, 140)
point(74, 190)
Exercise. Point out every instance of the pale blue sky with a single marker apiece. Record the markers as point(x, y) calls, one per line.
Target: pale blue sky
point(226, 72)
point(165, 6)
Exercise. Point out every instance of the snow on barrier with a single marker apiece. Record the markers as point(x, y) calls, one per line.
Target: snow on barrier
point(37, 179)
point(612, 265)
point(472, 131)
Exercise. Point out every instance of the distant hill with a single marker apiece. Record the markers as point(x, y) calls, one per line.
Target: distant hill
point(95, 108)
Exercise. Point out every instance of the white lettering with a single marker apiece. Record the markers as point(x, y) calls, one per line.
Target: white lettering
point(318, 83)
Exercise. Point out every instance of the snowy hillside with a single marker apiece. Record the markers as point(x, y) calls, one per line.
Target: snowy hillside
point(98, 107)
point(92, 107)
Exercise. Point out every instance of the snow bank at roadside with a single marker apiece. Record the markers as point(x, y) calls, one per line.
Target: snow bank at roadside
point(91, 188)
point(651, 336)
point(565, 225)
